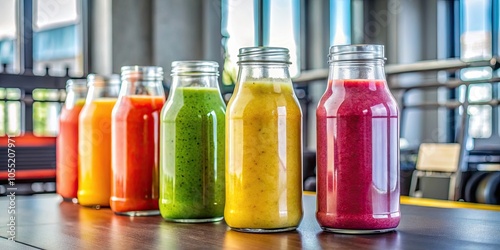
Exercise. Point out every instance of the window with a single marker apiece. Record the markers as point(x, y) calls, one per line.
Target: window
point(476, 44)
point(46, 108)
point(480, 115)
point(57, 37)
point(46, 36)
point(8, 34)
point(340, 22)
point(235, 14)
point(259, 23)
point(281, 28)
point(11, 121)
point(476, 29)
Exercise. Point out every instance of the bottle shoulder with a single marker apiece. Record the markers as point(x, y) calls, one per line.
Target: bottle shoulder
point(270, 105)
point(178, 106)
point(98, 108)
point(136, 107)
point(357, 102)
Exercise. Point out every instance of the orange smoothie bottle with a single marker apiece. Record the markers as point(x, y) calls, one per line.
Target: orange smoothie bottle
point(263, 145)
point(94, 141)
point(67, 140)
point(135, 142)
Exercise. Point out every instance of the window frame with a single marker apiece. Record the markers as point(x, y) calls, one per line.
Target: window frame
point(25, 79)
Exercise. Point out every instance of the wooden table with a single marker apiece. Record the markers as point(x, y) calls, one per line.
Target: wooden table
point(43, 221)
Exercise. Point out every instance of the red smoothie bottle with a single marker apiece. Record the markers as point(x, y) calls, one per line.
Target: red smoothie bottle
point(67, 140)
point(357, 145)
point(135, 128)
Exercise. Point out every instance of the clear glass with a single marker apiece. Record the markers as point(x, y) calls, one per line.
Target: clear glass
point(357, 145)
point(263, 145)
point(76, 92)
point(94, 141)
point(192, 145)
point(67, 140)
point(135, 127)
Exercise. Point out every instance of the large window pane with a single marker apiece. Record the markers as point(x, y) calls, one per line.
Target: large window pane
point(8, 31)
point(481, 123)
point(12, 110)
point(340, 22)
point(57, 37)
point(476, 44)
point(282, 30)
point(480, 92)
point(476, 38)
point(46, 112)
point(240, 28)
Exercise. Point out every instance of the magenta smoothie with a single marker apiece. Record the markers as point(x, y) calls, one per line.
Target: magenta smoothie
point(357, 157)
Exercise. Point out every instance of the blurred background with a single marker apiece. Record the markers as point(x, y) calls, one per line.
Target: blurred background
point(442, 61)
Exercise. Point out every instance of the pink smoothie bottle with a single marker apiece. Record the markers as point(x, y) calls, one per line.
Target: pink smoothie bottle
point(357, 145)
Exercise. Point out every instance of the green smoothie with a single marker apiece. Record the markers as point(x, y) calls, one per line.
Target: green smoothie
point(192, 155)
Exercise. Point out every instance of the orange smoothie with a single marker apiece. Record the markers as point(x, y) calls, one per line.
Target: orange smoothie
point(263, 157)
point(94, 152)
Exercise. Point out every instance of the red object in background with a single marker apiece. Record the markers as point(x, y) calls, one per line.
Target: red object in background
point(136, 123)
point(24, 146)
point(67, 152)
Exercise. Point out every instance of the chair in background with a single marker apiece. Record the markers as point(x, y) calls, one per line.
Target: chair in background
point(436, 171)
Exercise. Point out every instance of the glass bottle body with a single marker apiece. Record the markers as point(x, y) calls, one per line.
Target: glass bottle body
point(67, 140)
point(192, 145)
point(94, 141)
point(263, 150)
point(357, 149)
point(135, 142)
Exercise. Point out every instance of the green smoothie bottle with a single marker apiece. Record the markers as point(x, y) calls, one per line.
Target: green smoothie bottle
point(192, 130)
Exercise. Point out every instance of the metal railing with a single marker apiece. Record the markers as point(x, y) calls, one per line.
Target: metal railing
point(447, 65)
point(396, 69)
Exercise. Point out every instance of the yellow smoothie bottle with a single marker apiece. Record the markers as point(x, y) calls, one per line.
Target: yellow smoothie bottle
point(263, 145)
point(94, 141)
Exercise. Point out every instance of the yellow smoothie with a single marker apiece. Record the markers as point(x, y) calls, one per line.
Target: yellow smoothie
point(263, 157)
point(94, 153)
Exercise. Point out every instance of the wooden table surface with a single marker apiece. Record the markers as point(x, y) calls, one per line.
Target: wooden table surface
point(43, 221)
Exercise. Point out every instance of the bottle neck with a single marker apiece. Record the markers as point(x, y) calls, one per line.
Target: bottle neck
point(362, 70)
point(103, 91)
point(195, 81)
point(75, 95)
point(131, 87)
point(263, 72)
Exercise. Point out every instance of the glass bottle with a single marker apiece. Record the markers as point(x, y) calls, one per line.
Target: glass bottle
point(94, 141)
point(135, 128)
point(357, 144)
point(192, 145)
point(263, 145)
point(67, 140)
